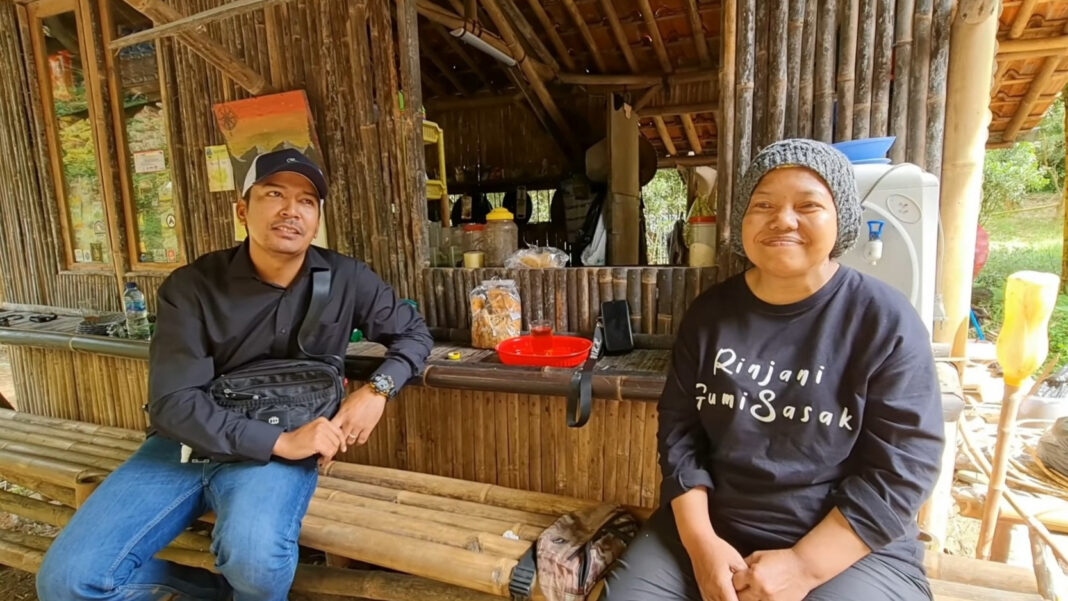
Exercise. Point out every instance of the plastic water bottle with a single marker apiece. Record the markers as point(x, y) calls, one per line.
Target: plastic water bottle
point(133, 300)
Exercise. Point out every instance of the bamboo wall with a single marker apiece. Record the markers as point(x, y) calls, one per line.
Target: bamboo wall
point(351, 71)
point(571, 297)
point(514, 440)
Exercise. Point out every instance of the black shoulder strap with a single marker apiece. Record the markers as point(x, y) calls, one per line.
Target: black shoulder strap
point(320, 290)
point(524, 574)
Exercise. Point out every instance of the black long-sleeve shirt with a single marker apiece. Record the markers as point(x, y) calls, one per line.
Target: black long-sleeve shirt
point(216, 314)
point(786, 411)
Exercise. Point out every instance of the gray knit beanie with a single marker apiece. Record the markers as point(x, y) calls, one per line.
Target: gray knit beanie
point(828, 162)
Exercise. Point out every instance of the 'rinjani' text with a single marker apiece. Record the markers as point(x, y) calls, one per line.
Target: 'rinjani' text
point(762, 407)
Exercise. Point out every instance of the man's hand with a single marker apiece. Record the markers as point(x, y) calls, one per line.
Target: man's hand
point(315, 437)
point(779, 575)
point(358, 416)
point(715, 563)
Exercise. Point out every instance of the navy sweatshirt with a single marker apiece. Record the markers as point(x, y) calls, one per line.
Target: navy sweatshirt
point(786, 411)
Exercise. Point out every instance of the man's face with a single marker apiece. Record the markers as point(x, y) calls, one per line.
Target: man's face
point(791, 223)
point(281, 213)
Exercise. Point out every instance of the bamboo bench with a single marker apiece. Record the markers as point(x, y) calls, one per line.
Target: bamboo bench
point(456, 539)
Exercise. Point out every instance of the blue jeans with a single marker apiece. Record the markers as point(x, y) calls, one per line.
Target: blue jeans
point(106, 552)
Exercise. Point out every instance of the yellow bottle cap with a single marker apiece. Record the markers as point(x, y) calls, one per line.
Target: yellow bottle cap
point(499, 214)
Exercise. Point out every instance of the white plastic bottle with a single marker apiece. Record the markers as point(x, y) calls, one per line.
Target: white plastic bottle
point(133, 301)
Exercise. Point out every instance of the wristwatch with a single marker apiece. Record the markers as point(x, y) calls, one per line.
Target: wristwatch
point(383, 385)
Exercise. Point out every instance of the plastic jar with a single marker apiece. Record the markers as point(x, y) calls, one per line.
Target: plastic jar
point(702, 241)
point(474, 237)
point(502, 237)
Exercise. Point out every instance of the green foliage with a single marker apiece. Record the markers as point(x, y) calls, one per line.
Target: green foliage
point(1049, 145)
point(665, 203)
point(1008, 176)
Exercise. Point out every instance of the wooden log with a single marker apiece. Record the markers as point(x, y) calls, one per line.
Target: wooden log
point(634, 299)
point(430, 304)
point(1036, 88)
point(196, 22)
point(619, 283)
point(725, 134)
point(17, 555)
point(778, 73)
point(847, 66)
point(604, 285)
point(1056, 44)
point(648, 285)
point(794, 45)
point(62, 494)
point(523, 280)
point(595, 297)
point(664, 301)
point(583, 301)
point(760, 83)
point(919, 82)
point(537, 295)
point(823, 111)
point(73, 456)
point(693, 285)
point(986, 574)
point(899, 107)
point(679, 299)
point(862, 108)
point(434, 561)
point(665, 137)
point(881, 77)
point(1049, 576)
point(548, 295)
point(573, 322)
point(47, 470)
point(936, 95)
point(379, 585)
point(72, 426)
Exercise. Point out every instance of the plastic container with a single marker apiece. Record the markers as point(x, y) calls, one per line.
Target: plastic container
point(501, 237)
point(566, 351)
point(496, 313)
point(702, 241)
point(474, 238)
point(133, 300)
point(866, 148)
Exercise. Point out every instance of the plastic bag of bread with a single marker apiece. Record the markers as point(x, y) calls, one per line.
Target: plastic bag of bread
point(496, 313)
point(537, 257)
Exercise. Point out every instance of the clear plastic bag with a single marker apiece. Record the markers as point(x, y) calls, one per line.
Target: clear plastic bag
point(496, 313)
point(537, 257)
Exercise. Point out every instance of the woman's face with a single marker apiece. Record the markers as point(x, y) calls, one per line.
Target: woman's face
point(791, 223)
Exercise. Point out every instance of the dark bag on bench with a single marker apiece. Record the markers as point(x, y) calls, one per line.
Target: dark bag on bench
point(288, 392)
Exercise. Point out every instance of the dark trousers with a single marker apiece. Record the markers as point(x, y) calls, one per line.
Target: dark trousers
point(656, 567)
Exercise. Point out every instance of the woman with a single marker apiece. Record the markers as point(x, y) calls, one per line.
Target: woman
point(800, 427)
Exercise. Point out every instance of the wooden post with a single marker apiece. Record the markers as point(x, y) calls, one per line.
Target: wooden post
point(847, 67)
point(972, 48)
point(899, 105)
point(623, 212)
point(1023, 15)
point(1064, 208)
point(725, 133)
point(823, 122)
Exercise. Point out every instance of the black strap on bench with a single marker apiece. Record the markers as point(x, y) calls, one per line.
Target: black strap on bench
point(580, 394)
point(521, 585)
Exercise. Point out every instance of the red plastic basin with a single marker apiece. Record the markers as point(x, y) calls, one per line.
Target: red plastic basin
point(566, 351)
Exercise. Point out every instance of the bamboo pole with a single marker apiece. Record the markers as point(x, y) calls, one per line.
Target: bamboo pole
point(760, 84)
point(1049, 577)
point(778, 74)
point(884, 54)
point(195, 22)
point(619, 34)
point(554, 36)
point(1064, 210)
point(696, 28)
point(527, 31)
point(847, 63)
point(794, 46)
point(936, 95)
point(670, 79)
point(919, 83)
point(465, 56)
point(536, 84)
point(1023, 16)
point(1027, 103)
point(743, 114)
point(899, 104)
point(823, 120)
point(726, 148)
point(1054, 44)
point(654, 32)
point(584, 31)
point(634, 299)
point(806, 98)
point(691, 133)
point(665, 137)
point(973, 38)
point(865, 66)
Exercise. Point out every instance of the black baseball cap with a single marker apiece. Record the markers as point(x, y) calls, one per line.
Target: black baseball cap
point(287, 159)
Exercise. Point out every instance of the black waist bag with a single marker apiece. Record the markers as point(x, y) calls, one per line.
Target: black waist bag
point(287, 393)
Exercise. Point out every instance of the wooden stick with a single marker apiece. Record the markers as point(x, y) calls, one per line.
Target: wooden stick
point(1010, 405)
point(847, 62)
point(823, 123)
point(195, 22)
point(899, 107)
point(919, 83)
point(1058, 44)
point(884, 51)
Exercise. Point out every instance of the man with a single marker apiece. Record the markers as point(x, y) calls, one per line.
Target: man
point(225, 310)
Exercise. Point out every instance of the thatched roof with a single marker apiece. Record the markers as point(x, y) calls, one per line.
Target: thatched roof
point(1032, 67)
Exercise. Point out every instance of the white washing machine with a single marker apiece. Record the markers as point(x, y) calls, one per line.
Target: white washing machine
point(904, 200)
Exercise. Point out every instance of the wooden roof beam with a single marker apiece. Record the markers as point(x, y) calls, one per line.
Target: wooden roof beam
point(1027, 104)
point(665, 137)
point(162, 13)
point(1058, 43)
point(531, 74)
point(458, 48)
point(680, 109)
point(620, 35)
point(654, 32)
point(638, 79)
point(688, 161)
point(700, 42)
point(194, 22)
point(527, 31)
point(691, 133)
point(447, 71)
point(554, 36)
point(584, 30)
point(1023, 16)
